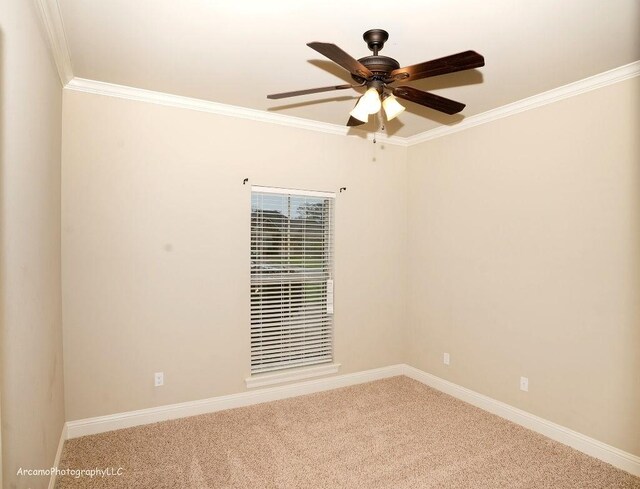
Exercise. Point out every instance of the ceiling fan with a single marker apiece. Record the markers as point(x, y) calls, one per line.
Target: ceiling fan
point(377, 73)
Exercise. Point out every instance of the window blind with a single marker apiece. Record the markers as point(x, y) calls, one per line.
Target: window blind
point(291, 278)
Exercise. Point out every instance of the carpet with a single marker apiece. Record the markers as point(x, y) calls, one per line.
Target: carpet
point(389, 434)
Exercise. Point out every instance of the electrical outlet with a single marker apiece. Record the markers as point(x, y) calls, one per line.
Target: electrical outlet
point(158, 379)
point(446, 359)
point(524, 384)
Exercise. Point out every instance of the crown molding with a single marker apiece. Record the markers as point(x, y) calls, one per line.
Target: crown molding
point(52, 21)
point(161, 98)
point(51, 18)
point(572, 89)
point(576, 88)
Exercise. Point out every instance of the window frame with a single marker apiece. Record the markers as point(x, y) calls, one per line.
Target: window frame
point(260, 376)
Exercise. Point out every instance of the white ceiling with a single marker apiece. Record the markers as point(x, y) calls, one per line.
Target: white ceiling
point(237, 52)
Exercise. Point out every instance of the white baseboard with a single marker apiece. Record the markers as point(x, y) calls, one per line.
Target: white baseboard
point(56, 461)
point(590, 446)
point(91, 426)
point(585, 444)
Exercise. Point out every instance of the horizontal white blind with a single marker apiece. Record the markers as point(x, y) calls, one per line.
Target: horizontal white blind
point(291, 279)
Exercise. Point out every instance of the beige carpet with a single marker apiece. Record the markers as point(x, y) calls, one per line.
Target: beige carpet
point(394, 433)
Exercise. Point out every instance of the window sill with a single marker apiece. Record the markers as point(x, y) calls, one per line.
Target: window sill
point(262, 380)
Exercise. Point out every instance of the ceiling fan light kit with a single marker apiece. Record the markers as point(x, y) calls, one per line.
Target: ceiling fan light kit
point(360, 113)
point(392, 108)
point(368, 104)
point(377, 73)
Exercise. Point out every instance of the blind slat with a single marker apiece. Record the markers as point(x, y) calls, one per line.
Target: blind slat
point(292, 352)
point(257, 322)
point(257, 330)
point(288, 353)
point(269, 367)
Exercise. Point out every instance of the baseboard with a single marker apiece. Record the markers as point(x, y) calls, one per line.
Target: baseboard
point(101, 424)
point(590, 446)
point(56, 461)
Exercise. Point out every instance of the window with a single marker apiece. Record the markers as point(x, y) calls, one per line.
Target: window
point(291, 278)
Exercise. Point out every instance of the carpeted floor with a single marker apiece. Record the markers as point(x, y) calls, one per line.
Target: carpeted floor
point(393, 434)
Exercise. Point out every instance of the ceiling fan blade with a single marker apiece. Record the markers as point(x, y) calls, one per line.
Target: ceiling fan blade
point(337, 55)
point(308, 91)
point(441, 66)
point(430, 100)
point(352, 122)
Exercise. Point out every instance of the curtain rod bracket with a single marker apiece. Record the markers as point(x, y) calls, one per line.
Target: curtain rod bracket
point(245, 181)
point(342, 188)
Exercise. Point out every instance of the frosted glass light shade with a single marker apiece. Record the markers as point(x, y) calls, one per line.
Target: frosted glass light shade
point(371, 101)
point(360, 113)
point(392, 107)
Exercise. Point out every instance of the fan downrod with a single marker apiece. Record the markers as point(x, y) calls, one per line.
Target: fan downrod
point(379, 65)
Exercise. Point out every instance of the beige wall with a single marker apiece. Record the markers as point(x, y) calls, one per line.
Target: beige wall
point(31, 349)
point(514, 246)
point(156, 247)
point(524, 259)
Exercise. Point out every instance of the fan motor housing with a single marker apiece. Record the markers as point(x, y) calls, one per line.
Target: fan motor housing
point(380, 66)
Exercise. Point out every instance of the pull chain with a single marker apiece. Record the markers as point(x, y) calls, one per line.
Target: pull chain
point(382, 128)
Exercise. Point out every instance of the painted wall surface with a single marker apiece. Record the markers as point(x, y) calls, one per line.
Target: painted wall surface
point(514, 246)
point(31, 349)
point(156, 230)
point(524, 260)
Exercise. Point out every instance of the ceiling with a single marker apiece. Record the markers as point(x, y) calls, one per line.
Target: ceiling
point(237, 52)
